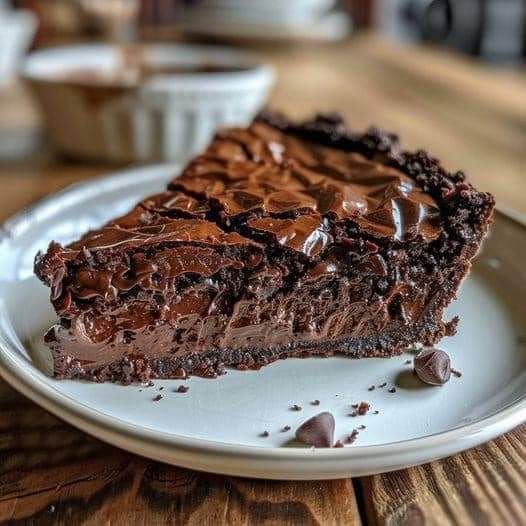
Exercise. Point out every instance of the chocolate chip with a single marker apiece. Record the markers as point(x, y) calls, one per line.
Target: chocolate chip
point(315, 402)
point(157, 398)
point(296, 407)
point(433, 366)
point(182, 389)
point(284, 429)
point(363, 407)
point(317, 431)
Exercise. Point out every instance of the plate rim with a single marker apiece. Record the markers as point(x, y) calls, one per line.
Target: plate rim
point(184, 451)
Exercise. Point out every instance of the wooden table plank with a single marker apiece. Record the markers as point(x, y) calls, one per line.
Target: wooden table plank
point(52, 473)
point(486, 485)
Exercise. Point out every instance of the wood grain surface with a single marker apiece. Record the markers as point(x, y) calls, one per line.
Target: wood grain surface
point(50, 473)
point(486, 485)
point(471, 116)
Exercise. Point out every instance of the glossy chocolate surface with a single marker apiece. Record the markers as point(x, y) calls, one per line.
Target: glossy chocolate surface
point(263, 171)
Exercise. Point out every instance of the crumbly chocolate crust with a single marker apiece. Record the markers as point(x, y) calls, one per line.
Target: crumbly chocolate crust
point(280, 240)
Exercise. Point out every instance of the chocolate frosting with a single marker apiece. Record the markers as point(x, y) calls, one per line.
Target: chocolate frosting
point(112, 260)
point(306, 233)
point(164, 231)
point(268, 182)
point(264, 171)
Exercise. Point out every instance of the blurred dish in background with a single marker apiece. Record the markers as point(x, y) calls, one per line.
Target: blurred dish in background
point(144, 102)
point(116, 18)
point(269, 20)
point(271, 10)
point(17, 29)
point(492, 29)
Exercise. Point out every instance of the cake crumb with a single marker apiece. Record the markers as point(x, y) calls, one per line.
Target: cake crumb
point(363, 407)
point(157, 398)
point(381, 386)
point(362, 427)
point(315, 402)
point(353, 414)
point(408, 362)
point(392, 390)
point(296, 407)
point(265, 434)
point(456, 373)
point(371, 388)
point(338, 443)
point(376, 412)
point(182, 389)
point(284, 429)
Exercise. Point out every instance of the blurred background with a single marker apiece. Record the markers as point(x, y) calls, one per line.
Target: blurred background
point(447, 75)
point(494, 30)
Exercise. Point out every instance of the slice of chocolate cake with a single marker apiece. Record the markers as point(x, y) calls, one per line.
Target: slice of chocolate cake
point(279, 240)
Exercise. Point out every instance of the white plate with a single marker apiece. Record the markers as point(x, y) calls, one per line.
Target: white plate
point(216, 425)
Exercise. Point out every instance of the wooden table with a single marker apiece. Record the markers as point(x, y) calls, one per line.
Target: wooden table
point(473, 118)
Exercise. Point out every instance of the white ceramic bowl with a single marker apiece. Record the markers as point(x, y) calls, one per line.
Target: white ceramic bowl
point(166, 117)
point(277, 11)
point(17, 29)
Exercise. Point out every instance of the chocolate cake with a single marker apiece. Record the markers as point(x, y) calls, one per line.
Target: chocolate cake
point(280, 240)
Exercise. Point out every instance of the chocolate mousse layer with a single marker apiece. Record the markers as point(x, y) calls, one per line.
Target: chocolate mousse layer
point(279, 240)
